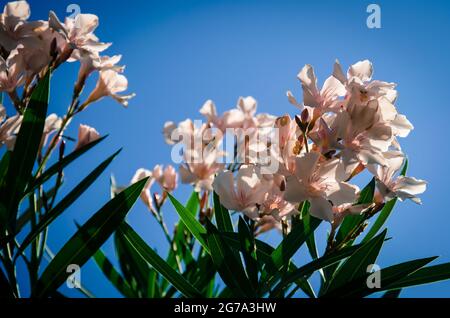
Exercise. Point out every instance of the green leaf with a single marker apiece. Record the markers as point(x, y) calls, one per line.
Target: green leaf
point(25, 150)
point(356, 265)
point(112, 274)
point(291, 243)
point(182, 235)
point(71, 197)
point(197, 230)
point(351, 221)
point(229, 267)
point(61, 164)
point(405, 168)
point(88, 239)
point(247, 240)
point(358, 287)
point(4, 163)
point(395, 293)
point(385, 212)
point(306, 217)
point(263, 250)
point(193, 203)
point(381, 219)
point(133, 266)
point(307, 270)
point(425, 275)
point(222, 215)
point(149, 255)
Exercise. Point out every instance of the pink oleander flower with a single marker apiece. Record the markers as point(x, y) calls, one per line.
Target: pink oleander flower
point(290, 142)
point(9, 128)
point(243, 193)
point(146, 195)
point(243, 116)
point(14, 26)
point(109, 83)
point(12, 72)
point(400, 187)
point(52, 123)
point(78, 32)
point(166, 177)
point(200, 169)
point(274, 203)
point(86, 135)
point(364, 137)
point(359, 85)
point(90, 62)
point(327, 99)
point(267, 223)
point(199, 151)
point(321, 183)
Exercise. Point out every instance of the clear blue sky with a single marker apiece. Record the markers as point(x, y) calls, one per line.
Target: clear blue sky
point(180, 53)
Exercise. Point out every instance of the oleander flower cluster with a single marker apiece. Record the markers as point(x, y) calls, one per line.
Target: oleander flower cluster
point(28, 49)
point(347, 126)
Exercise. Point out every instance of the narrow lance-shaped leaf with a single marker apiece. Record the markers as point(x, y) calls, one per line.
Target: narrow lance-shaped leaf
point(88, 239)
point(289, 246)
point(112, 274)
point(60, 165)
point(351, 221)
point(424, 275)
point(197, 230)
point(149, 255)
point(180, 242)
point(229, 267)
point(249, 252)
point(306, 217)
point(356, 265)
point(71, 197)
point(322, 262)
point(25, 150)
point(223, 218)
point(389, 276)
point(134, 267)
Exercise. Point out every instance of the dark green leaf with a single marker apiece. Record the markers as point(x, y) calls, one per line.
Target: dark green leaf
point(322, 262)
point(112, 274)
point(149, 255)
point(88, 239)
point(229, 267)
point(381, 219)
point(71, 197)
point(182, 235)
point(25, 150)
point(395, 293)
point(263, 250)
point(290, 244)
point(133, 266)
point(222, 215)
point(306, 217)
point(389, 276)
point(425, 275)
point(197, 230)
point(60, 165)
point(248, 247)
point(356, 265)
point(351, 221)
point(4, 163)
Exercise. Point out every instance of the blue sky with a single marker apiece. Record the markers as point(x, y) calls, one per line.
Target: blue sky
point(181, 53)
